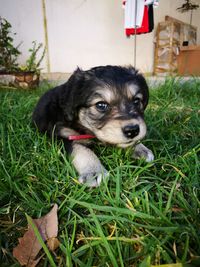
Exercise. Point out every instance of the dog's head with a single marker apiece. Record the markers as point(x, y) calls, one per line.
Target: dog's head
point(109, 102)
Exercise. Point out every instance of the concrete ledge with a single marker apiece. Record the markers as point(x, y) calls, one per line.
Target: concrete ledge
point(7, 79)
point(60, 78)
point(57, 78)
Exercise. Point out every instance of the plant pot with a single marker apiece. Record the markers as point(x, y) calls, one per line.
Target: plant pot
point(26, 80)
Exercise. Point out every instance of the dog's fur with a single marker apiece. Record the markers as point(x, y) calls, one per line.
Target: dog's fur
point(107, 102)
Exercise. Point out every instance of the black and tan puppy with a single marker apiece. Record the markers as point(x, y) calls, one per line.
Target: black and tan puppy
point(107, 102)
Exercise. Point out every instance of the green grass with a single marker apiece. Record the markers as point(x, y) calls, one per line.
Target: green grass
point(145, 213)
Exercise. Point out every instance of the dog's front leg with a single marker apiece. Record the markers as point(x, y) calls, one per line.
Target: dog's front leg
point(90, 170)
point(141, 151)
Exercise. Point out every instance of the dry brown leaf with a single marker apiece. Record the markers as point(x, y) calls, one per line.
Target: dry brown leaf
point(53, 243)
point(28, 248)
point(48, 224)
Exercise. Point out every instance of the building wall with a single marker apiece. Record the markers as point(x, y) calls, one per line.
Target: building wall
point(86, 33)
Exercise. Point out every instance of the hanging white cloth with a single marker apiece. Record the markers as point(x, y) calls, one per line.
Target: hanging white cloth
point(150, 2)
point(134, 11)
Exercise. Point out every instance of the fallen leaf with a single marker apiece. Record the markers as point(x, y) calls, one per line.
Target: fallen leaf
point(48, 224)
point(53, 243)
point(28, 248)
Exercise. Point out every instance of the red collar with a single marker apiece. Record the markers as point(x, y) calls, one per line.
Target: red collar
point(79, 137)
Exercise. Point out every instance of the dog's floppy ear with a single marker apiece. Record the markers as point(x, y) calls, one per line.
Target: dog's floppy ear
point(132, 70)
point(69, 94)
point(141, 82)
point(75, 92)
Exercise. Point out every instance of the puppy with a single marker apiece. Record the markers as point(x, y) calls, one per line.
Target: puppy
point(105, 102)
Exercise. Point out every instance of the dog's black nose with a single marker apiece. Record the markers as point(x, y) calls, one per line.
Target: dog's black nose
point(131, 131)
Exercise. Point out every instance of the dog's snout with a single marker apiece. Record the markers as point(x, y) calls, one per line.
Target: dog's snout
point(130, 131)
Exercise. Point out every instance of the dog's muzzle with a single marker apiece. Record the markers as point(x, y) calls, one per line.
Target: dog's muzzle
point(130, 131)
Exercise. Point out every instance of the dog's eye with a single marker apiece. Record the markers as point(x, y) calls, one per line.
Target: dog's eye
point(102, 106)
point(136, 101)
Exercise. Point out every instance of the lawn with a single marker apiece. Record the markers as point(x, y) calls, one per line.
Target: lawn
point(144, 214)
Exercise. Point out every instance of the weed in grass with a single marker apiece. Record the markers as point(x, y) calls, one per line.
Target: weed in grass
point(144, 213)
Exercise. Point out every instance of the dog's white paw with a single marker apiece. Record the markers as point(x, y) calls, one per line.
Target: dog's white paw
point(141, 151)
point(93, 179)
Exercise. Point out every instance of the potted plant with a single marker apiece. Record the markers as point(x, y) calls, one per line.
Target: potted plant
point(24, 76)
point(28, 75)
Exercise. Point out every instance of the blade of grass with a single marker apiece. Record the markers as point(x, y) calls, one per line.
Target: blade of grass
point(169, 201)
point(105, 242)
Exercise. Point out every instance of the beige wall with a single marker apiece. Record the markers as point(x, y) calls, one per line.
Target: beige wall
point(86, 33)
point(26, 19)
